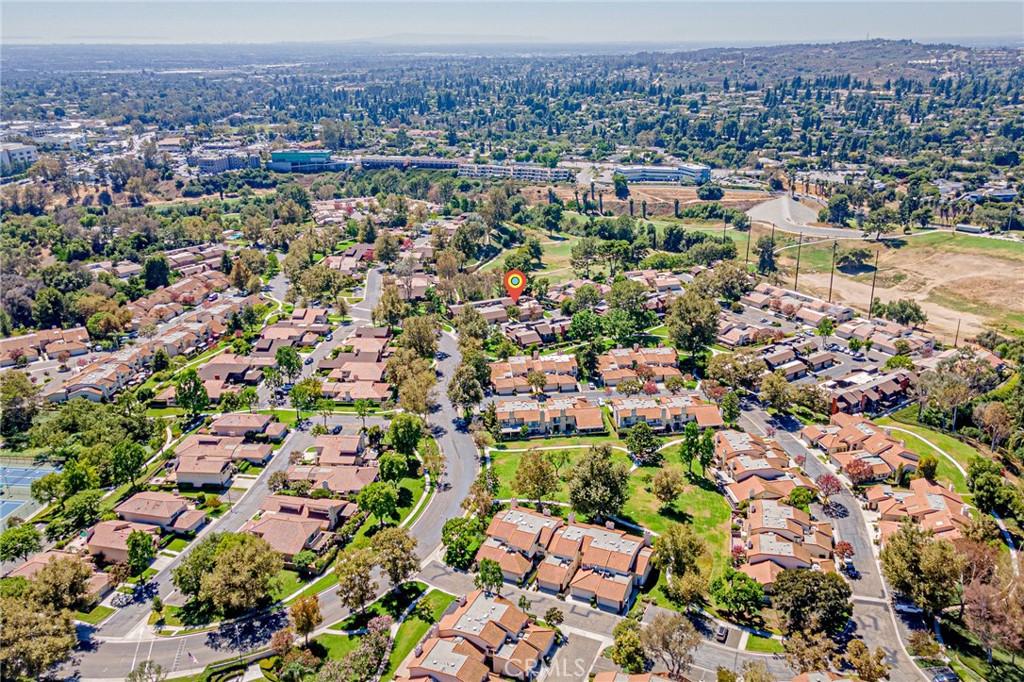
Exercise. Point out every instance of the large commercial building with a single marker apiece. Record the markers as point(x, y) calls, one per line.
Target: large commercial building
point(515, 171)
point(213, 164)
point(15, 154)
point(305, 161)
point(685, 172)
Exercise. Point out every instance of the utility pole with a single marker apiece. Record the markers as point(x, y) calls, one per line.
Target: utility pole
point(874, 276)
point(832, 277)
point(799, 246)
point(957, 337)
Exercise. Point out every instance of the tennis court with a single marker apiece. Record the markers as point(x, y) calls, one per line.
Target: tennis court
point(8, 507)
point(21, 477)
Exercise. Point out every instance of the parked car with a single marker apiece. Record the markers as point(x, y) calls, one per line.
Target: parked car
point(590, 385)
point(336, 430)
point(308, 361)
point(721, 633)
point(329, 337)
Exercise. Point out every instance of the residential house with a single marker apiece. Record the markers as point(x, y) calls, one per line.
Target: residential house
point(511, 643)
point(108, 540)
point(242, 425)
point(288, 534)
point(867, 392)
point(340, 450)
point(515, 537)
point(341, 480)
point(847, 439)
point(97, 586)
point(168, 511)
point(931, 506)
point(328, 512)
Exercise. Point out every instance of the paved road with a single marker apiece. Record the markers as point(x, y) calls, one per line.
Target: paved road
point(792, 216)
point(872, 613)
point(124, 640)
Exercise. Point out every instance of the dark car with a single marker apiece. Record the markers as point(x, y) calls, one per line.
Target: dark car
point(308, 361)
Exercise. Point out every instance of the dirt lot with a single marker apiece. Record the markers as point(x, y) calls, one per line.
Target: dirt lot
point(660, 198)
point(971, 281)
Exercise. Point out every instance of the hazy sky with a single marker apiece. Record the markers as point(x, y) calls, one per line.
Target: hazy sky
point(481, 21)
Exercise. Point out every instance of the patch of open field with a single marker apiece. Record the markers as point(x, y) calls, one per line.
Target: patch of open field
point(957, 279)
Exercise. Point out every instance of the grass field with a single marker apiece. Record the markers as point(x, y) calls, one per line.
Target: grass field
point(962, 645)
point(700, 506)
point(504, 465)
point(958, 279)
point(177, 544)
point(94, 616)
point(336, 647)
point(947, 473)
point(413, 628)
point(409, 492)
point(764, 645)
point(288, 582)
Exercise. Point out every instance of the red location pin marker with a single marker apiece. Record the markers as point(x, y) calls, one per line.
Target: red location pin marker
point(515, 282)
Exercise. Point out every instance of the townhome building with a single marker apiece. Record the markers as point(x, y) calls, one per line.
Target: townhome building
point(562, 414)
point(848, 439)
point(665, 413)
point(509, 376)
point(929, 505)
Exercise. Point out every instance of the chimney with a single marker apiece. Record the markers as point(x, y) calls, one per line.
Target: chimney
point(514, 503)
point(572, 517)
point(462, 600)
point(547, 511)
point(433, 630)
point(536, 354)
point(418, 651)
point(610, 525)
point(647, 538)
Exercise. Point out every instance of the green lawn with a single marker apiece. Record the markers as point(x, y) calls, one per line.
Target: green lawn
point(288, 582)
point(177, 545)
point(504, 465)
point(413, 628)
point(700, 505)
point(391, 604)
point(765, 645)
point(95, 616)
point(567, 441)
point(961, 452)
point(336, 647)
point(962, 645)
point(409, 492)
point(326, 581)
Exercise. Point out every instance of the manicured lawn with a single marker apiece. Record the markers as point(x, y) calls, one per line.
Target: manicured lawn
point(585, 441)
point(324, 582)
point(413, 628)
point(337, 647)
point(765, 645)
point(289, 582)
point(958, 451)
point(962, 644)
point(177, 545)
point(409, 492)
point(504, 465)
point(700, 505)
point(391, 604)
point(95, 616)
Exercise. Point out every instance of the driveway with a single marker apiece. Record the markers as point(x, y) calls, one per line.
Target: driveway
point(872, 614)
